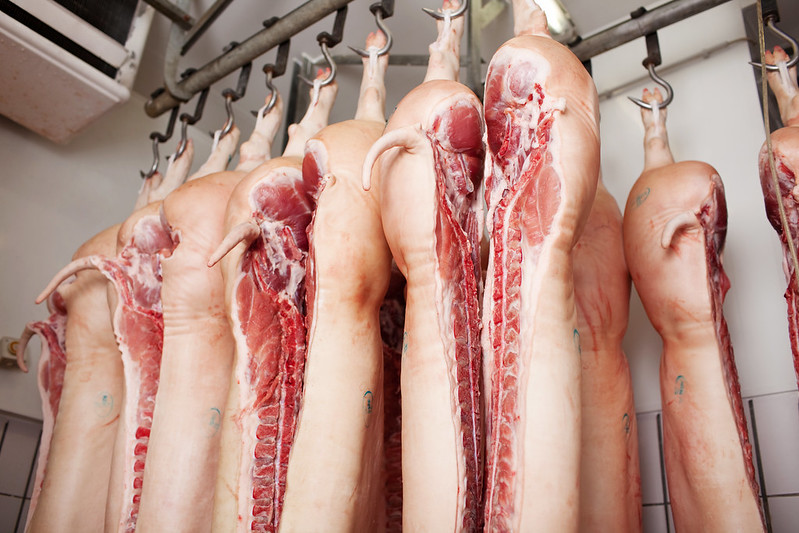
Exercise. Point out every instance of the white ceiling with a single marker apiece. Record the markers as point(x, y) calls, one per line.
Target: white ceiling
point(413, 31)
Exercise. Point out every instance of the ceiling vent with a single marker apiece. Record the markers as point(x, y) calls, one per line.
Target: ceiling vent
point(65, 63)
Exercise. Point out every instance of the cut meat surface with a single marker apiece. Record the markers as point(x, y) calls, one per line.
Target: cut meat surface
point(427, 171)
point(263, 268)
point(785, 147)
point(542, 167)
point(49, 377)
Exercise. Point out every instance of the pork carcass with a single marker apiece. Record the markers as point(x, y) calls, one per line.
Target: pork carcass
point(675, 223)
point(610, 480)
point(263, 267)
point(92, 377)
point(785, 147)
point(49, 378)
point(182, 456)
point(542, 166)
point(428, 170)
point(80, 419)
point(348, 267)
point(131, 261)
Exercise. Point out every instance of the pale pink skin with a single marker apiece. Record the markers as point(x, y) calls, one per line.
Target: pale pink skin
point(348, 266)
point(180, 471)
point(785, 149)
point(710, 486)
point(610, 480)
point(233, 495)
point(115, 509)
point(401, 164)
point(77, 468)
point(533, 471)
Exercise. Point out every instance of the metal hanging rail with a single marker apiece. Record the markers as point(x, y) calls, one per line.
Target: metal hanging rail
point(256, 45)
point(648, 22)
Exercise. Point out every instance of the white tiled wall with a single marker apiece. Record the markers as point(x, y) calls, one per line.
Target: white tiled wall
point(19, 444)
point(774, 434)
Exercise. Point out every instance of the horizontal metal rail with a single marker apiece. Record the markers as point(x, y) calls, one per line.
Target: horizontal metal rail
point(648, 22)
point(258, 44)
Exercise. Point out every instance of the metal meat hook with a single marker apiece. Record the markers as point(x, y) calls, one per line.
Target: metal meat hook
point(186, 120)
point(379, 10)
point(231, 95)
point(770, 20)
point(160, 138)
point(274, 70)
point(452, 14)
point(652, 60)
point(326, 40)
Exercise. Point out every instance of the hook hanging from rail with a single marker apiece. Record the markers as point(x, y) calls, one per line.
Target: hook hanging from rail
point(652, 60)
point(771, 16)
point(158, 138)
point(381, 10)
point(231, 95)
point(452, 14)
point(328, 40)
point(274, 70)
point(187, 120)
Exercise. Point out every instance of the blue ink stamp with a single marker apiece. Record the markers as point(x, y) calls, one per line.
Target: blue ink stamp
point(679, 386)
point(216, 420)
point(576, 339)
point(103, 404)
point(641, 197)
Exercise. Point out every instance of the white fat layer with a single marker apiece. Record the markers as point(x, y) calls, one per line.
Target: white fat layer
point(247, 418)
point(372, 69)
point(48, 418)
point(656, 117)
point(271, 234)
point(445, 301)
point(317, 86)
point(785, 77)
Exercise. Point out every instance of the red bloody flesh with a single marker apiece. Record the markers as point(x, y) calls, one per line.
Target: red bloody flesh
point(713, 218)
point(526, 212)
point(458, 159)
point(274, 325)
point(786, 178)
point(136, 273)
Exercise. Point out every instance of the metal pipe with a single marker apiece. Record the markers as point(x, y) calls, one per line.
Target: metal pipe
point(631, 29)
point(258, 44)
point(174, 13)
point(203, 24)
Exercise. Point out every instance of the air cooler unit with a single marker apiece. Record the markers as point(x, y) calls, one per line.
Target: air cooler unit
point(64, 63)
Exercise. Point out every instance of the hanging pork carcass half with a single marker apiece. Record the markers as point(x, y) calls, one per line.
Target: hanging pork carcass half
point(675, 224)
point(98, 364)
point(347, 273)
point(49, 378)
point(75, 462)
point(542, 167)
point(137, 323)
point(263, 267)
point(785, 147)
point(183, 452)
point(610, 480)
point(428, 167)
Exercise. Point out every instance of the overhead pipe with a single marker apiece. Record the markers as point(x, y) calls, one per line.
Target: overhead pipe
point(258, 44)
point(648, 22)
